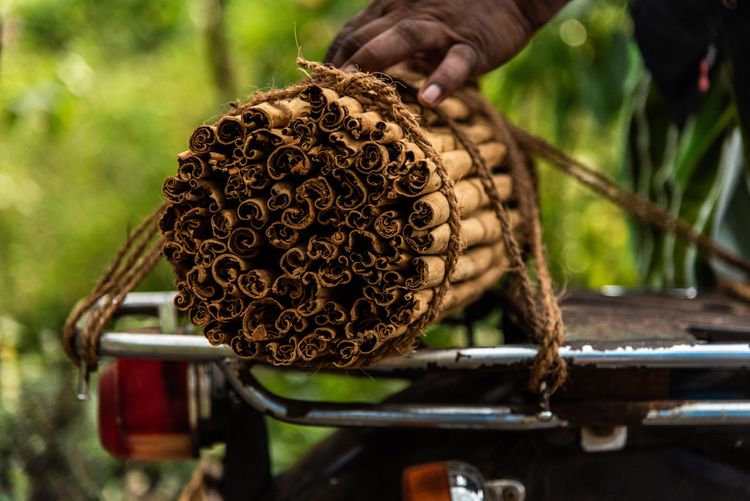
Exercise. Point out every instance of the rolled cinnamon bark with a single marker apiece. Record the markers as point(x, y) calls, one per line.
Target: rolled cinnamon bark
point(202, 139)
point(290, 320)
point(227, 309)
point(431, 269)
point(389, 224)
point(256, 284)
point(214, 331)
point(455, 108)
point(274, 115)
point(208, 251)
point(423, 177)
point(334, 275)
point(315, 344)
point(370, 125)
point(346, 148)
point(281, 236)
point(236, 188)
point(442, 139)
point(433, 209)
point(361, 219)
point(299, 216)
point(283, 353)
point(245, 242)
point(230, 130)
point(193, 227)
point(304, 130)
point(467, 292)
point(337, 111)
point(286, 160)
point(255, 177)
point(191, 167)
point(263, 141)
point(319, 98)
point(178, 191)
point(313, 229)
point(353, 192)
point(480, 228)
point(281, 196)
point(317, 190)
point(374, 158)
point(259, 319)
point(295, 261)
point(223, 222)
point(254, 211)
point(202, 284)
point(175, 253)
point(325, 248)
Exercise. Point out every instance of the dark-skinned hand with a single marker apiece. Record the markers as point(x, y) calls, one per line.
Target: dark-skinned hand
point(451, 41)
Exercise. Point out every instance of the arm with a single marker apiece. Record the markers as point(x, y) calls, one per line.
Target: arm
point(450, 40)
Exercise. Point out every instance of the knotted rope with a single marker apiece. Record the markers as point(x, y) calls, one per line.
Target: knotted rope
point(549, 370)
point(131, 264)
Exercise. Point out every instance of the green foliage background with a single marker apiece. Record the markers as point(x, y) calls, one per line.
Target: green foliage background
point(96, 99)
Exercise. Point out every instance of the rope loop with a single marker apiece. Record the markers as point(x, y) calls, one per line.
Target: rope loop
point(133, 262)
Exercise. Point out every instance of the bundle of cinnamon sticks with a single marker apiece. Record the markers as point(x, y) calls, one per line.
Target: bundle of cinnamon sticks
point(314, 231)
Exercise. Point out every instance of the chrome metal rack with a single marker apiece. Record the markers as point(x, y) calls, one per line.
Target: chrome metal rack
point(676, 354)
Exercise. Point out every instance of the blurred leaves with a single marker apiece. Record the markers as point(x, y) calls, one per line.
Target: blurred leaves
point(573, 85)
point(120, 28)
point(684, 171)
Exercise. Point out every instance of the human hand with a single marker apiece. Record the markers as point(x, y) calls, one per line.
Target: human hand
point(450, 40)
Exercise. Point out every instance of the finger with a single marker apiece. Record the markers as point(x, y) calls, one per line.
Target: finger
point(419, 64)
point(397, 44)
point(372, 12)
point(459, 64)
point(356, 39)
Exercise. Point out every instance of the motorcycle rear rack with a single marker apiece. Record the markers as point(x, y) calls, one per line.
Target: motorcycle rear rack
point(168, 345)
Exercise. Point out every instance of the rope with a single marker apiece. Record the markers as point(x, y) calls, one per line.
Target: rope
point(637, 206)
point(131, 264)
point(549, 370)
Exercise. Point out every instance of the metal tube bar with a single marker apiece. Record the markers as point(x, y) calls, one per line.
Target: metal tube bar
point(160, 346)
point(482, 417)
point(701, 413)
point(714, 356)
point(146, 301)
point(706, 356)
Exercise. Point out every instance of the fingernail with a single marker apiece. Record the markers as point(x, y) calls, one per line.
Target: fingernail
point(431, 94)
point(349, 68)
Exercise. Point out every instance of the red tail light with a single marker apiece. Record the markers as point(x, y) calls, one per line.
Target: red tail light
point(144, 410)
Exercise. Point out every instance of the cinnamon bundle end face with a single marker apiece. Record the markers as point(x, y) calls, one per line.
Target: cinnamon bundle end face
point(310, 229)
